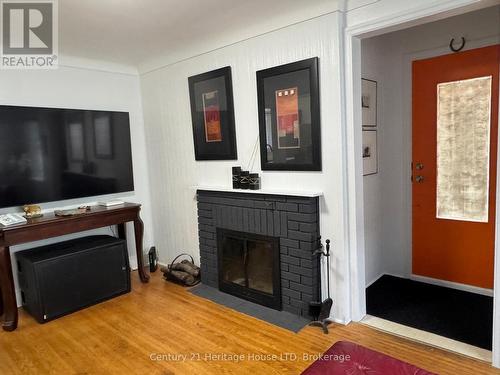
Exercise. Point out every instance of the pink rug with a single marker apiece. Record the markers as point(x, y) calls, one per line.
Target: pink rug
point(348, 358)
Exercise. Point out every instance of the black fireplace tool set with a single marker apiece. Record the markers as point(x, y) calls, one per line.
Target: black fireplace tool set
point(320, 310)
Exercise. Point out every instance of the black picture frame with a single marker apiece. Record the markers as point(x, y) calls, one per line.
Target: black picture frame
point(214, 139)
point(301, 148)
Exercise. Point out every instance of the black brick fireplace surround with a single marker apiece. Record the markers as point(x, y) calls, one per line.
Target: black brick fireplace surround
point(292, 219)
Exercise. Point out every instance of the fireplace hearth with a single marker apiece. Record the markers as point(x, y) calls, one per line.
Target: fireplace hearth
point(249, 266)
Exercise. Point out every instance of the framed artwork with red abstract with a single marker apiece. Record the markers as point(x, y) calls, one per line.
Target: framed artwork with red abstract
point(289, 118)
point(212, 114)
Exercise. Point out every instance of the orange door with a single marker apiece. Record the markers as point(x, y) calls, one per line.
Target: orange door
point(454, 165)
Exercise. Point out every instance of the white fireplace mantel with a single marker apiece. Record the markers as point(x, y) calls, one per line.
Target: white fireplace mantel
point(294, 193)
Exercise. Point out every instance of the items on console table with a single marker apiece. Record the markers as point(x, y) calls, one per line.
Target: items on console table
point(70, 212)
point(51, 226)
point(114, 202)
point(12, 219)
point(32, 211)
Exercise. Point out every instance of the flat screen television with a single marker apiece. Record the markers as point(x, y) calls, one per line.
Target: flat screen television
point(53, 154)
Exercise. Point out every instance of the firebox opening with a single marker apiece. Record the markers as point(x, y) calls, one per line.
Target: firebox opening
point(249, 267)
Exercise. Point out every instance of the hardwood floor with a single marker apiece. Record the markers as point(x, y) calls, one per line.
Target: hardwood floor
point(150, 330)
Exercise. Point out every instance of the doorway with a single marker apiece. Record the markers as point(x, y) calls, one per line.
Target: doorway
point(390, 236)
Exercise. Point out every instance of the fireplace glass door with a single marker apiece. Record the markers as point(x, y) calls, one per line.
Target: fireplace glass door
point(249, 267)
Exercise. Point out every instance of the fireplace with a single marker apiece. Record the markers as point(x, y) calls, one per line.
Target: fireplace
point(249, 266)
point(277, 233)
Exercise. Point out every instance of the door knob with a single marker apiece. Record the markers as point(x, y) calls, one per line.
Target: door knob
point(419, 179)
point(419, 166)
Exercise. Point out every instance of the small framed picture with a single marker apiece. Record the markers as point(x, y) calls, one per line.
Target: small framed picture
point(212, 114)
point(370, 159)
point(369, 102)
point(289, 118)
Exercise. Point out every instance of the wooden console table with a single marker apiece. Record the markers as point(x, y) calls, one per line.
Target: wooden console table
point(53, 226)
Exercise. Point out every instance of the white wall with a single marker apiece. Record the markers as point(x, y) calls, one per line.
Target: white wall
point(87, 88)
point(387, 195)
point(174, 171)
point(372, 67)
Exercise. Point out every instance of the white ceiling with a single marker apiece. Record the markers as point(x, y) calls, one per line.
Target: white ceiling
point(142, 33)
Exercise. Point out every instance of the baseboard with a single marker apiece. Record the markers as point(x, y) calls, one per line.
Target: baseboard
point(453, 285)
point(340, 321)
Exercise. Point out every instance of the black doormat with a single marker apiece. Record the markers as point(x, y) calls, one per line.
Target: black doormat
point(459, 315)
point(281, 319)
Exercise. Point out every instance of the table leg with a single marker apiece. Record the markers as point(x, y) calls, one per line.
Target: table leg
point(139, 234)
point(9, 304)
